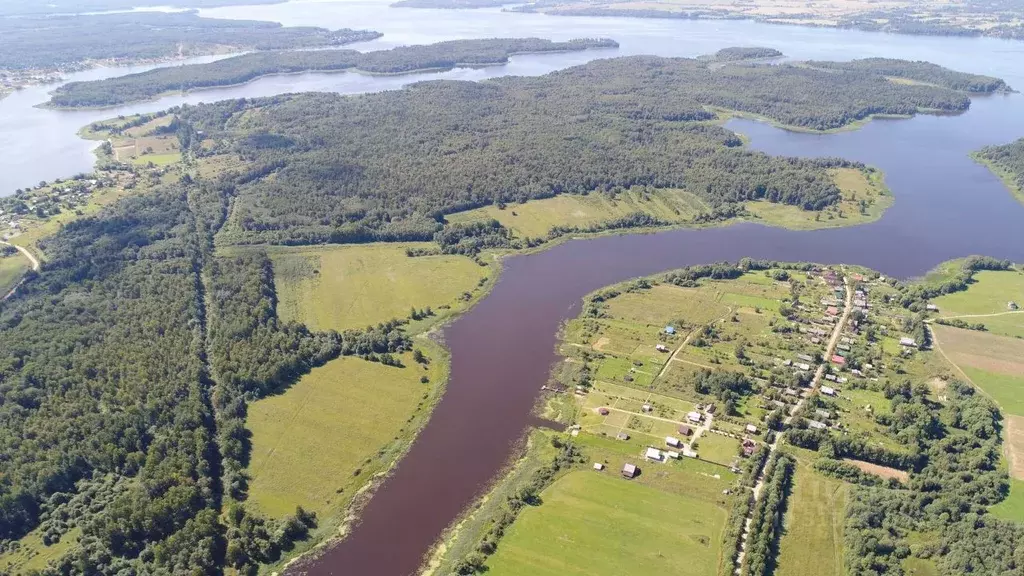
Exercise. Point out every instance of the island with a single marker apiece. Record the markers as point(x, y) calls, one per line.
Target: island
point(249, 67)
point(232, 336)
point(34, 49)
point(765, 417)
point(1007, 162)
point(971, 18)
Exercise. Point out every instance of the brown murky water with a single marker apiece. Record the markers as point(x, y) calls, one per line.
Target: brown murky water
point(502, 351)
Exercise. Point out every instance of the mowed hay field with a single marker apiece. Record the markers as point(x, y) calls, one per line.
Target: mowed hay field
point(854, 184)
point(812, 542)
point(316, 443)
point(342, 287)
point(536, 218)
point(985, 302)
point(994, 363)
point(599, 524)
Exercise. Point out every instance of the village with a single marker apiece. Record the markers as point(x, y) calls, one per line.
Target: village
point(812, 341)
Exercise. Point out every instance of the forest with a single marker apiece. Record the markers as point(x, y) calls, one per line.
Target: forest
point(919, 71)
point(248, 67)
point(738, 53)
point(126, 367)
point(1009, 159)
point(68, 41)
point(390, 166)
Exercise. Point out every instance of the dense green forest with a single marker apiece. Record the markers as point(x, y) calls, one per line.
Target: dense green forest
point(389, 166)
point(921, 72)
point(745, 53)
point(240, 69)
point(1009, 159)
point(59, 41)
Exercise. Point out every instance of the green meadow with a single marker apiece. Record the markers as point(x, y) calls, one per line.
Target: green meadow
point(1013, 507)
point(597, 524)
point(315, 444)
point(812, 542)
point(12, 268)
point(536, 218)
point(341, 287)
point(1006, 390)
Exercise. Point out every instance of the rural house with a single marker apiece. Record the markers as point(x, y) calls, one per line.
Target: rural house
point(629, 471)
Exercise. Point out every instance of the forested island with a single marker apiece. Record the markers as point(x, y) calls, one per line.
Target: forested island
point(248, 67)
point(35, 45)
point(437, 148)
point(738, 53)
point(1008, 162)
point(918, 71)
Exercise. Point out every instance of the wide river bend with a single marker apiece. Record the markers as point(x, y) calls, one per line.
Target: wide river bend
point(502, 350)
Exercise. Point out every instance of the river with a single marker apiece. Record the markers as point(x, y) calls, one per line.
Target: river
point(502, 350)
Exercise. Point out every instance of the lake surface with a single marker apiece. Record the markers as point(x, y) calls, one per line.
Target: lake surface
point(39, 144)
point(946, 206)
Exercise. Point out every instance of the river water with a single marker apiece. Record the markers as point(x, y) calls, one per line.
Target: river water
point(946, 206)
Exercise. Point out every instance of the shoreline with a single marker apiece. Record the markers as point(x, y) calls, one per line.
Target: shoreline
point(1008, 178)
point(48, 105)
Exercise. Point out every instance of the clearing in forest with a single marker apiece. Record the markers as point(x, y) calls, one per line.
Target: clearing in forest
point(812, 542)
point(536, 218)
point(318, 442)
point(342, 287)
point(12, 268)
point(599, 524)
point(879, 470)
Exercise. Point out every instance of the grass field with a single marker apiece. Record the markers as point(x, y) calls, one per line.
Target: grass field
point(812, 542)
point(855, 185)
point(340, 287)
point(718, 449)
point(599, 524)
point(317, 442)
point(989, 295)
point(1006, 390)
point(33, 555)
point(1013, 507)
point(12, 268)
point(536, 218)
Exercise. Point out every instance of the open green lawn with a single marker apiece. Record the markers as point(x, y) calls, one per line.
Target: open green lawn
point(718, 449)
point(812, 542)
point(536, 218)
point(920, 567)
point(664, 305)
point(12, 268)
point(158, 159)
point(596, 523)
point(309, 442)
point(1006, 390)
point(1013, 507)
point(341, 287)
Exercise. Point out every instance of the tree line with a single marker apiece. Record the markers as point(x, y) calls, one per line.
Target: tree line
point(920, 71)
point(248, 67)
point(389, 166)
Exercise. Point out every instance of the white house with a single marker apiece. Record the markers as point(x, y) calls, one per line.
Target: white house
point(653, 454)
point(828, 391)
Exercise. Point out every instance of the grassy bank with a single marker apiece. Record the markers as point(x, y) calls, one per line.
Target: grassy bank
point(598, 524)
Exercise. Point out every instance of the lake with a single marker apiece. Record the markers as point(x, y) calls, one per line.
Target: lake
point(502, 350)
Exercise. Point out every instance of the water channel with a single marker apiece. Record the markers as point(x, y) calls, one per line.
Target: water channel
point(946, 206)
